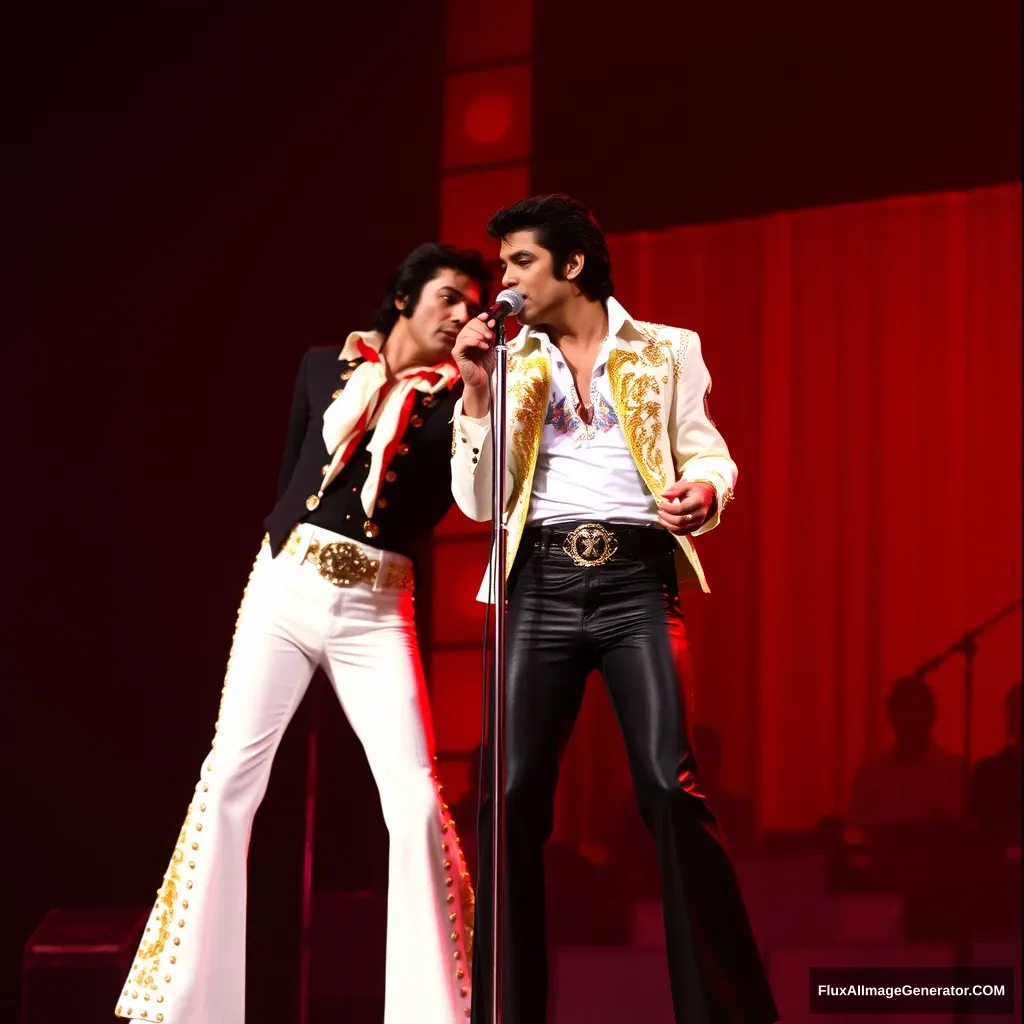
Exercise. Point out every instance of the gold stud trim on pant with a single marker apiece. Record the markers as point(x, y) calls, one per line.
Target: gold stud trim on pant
point(148, 963)
point(461, 917)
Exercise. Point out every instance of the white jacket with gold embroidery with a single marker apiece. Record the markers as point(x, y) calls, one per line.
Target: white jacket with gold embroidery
point(660, 389)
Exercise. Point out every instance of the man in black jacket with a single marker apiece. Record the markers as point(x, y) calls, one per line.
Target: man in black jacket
point(366, 474)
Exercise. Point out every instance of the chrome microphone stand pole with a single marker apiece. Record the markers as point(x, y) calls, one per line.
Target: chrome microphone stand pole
point(497, 590)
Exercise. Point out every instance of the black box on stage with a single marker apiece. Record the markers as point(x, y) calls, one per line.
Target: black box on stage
point(75, 964)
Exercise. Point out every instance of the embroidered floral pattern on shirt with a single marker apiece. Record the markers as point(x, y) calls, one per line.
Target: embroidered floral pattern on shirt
point(563, 417)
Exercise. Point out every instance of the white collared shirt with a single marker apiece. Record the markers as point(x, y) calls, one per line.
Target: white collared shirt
point(586, 472)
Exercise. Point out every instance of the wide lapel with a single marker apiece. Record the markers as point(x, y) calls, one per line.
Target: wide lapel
point(529, 386)
point(638, 378)
point(641, 383)
point(350, 351)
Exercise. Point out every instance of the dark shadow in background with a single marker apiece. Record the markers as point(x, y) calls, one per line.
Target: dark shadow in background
point(194, 194)
point(665, 113)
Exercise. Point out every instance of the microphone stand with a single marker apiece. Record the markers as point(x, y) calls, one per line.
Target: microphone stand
point(497, 588)
point(968, 646)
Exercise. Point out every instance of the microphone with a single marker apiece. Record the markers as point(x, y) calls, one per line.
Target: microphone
point(507, 303)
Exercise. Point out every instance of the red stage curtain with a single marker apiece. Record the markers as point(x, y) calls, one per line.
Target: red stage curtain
point(867, 368)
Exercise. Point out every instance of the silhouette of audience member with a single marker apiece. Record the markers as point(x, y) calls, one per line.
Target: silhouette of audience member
point(995, 788)
point(914, 780)
point(735, 813)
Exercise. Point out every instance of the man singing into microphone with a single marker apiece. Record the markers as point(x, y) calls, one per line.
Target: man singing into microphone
point(365, 474)
point(614, 465)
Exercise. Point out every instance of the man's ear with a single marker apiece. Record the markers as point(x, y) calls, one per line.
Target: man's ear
point(574, 266)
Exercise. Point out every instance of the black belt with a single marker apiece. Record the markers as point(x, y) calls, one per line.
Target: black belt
point(590, 543)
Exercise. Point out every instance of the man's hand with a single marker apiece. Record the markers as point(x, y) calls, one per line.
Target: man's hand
point(685, 506)
point(474, 356)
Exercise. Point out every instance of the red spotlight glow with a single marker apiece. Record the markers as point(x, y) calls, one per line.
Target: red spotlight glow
point(488, 118)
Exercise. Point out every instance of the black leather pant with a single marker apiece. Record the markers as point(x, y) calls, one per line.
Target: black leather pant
point(624, 619)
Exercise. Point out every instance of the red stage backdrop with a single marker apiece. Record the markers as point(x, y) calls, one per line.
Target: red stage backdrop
point(867, 375)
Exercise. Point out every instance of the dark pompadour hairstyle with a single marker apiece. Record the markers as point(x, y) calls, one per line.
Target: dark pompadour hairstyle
point(421, 266)
point(563, 226)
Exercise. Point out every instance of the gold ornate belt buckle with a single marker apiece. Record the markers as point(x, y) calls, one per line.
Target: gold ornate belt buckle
point(344, 564)
point(590, 544)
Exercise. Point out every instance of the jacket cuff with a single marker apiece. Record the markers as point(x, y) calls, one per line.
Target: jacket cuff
point(469, 435)
point(723, 495)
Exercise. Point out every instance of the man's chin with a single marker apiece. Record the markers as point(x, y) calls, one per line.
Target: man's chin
point(440, 351)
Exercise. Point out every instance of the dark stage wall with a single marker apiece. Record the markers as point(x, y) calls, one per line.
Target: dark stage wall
point(665, 113)
point(193, 198)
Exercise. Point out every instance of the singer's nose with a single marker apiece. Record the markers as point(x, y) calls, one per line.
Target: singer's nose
point(508, 279)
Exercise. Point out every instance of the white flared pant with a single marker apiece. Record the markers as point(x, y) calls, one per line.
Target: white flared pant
point(190, 967)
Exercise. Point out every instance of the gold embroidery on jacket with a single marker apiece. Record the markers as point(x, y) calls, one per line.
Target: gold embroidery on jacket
point(679, 351)
point(654, 351)
point(529, 394)
point(637, 397)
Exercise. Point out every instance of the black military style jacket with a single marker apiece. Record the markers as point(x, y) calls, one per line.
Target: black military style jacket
point(416, 491)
